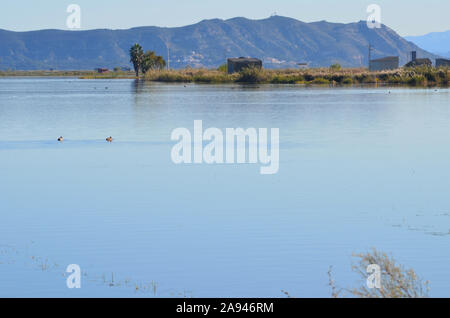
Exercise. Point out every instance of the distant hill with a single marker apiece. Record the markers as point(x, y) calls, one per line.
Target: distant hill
point(278, 41)
point(436, 42)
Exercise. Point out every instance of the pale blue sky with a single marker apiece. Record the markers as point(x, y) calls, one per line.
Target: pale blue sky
point(407, 17)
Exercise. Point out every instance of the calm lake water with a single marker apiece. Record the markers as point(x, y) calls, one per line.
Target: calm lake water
point(359, 168)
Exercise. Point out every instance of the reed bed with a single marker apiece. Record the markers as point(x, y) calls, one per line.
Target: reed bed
point(418, 76)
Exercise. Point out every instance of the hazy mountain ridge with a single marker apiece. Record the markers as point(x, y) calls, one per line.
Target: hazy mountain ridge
point(436, 42)
point(279, 41)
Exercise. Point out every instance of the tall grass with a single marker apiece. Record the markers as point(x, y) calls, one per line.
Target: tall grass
point(191, 76)
point(419, 76)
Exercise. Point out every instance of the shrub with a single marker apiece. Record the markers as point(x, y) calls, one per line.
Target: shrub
point(336, 67)
point(417, 80)
point(320, 81)
point(212, 77)
point(396, 280)
point(366, 79)
point(347, 80)
point(168, 76)
point(223, 68)
point(337, 78)
point(287, 79)
point(308, 77)
point(251, 75)
point(394, 79)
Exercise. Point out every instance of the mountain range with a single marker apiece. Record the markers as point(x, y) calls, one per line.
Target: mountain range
point(278, 41)
point(436, 42)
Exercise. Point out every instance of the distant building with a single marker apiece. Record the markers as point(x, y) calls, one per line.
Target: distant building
point(102, 70)
point(442, 62)
point(385, 63)
point(418, 62)
point(237, 64)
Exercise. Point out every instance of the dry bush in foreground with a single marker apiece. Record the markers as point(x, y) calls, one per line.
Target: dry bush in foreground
point(396, 280)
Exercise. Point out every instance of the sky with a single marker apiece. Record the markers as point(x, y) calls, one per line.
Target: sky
point(406, 17)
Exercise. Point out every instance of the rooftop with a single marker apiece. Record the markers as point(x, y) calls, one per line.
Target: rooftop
point(386, 59)
point(244, 59)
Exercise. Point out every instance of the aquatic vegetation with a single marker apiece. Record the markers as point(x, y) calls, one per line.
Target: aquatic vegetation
point(11, 255)
point(320, 81)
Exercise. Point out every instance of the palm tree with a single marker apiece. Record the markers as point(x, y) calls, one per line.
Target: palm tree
point(148, 61)
point(151, 61)
point(136, 57)
point(160, 63)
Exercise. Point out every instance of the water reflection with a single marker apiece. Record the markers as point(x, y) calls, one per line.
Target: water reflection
point(346, 161)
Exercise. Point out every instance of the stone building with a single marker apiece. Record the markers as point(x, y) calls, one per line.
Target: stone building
point(418, 62)
point(442, 62)
point(385, 63)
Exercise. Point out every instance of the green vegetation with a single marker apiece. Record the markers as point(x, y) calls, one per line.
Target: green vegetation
point(252, 75)
point(320, 81)
point(420, 76)
point(189, 75)
point(336, 67)
point(223, 68)
point(151, 61)
point(395, 280)
point(152, 68)
point(145, 61)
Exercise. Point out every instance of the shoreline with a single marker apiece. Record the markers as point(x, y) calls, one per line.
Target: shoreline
point(411, 77)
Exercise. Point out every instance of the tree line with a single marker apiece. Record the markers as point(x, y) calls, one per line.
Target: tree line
point(145, 61)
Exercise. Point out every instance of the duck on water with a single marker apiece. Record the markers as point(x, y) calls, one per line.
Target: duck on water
point(108, 139)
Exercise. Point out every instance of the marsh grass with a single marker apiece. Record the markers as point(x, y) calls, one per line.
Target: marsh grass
point(189, 75)
point(419, 76)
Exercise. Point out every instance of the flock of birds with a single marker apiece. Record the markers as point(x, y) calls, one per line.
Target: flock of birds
point(108, 139)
